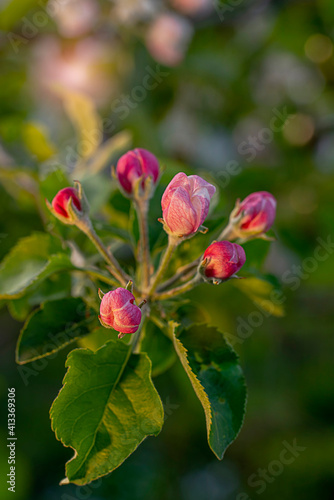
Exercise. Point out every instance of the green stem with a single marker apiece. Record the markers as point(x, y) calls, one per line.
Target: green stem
point(137, 337)
point(228, 233)
point(99, 276)
point(179, 290)
point(114, 266)
point(144, 249)
point(183, 271)
point(172, 244)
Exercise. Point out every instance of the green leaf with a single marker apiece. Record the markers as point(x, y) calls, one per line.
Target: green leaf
point(158, 347)
point(263, 292)
point(106, 408)
point(53, 181)
point(97, 338)
point(55, 325)
point(36, 140)
point(20, 183)
point(256, 252)
point(33, 258)
point(213, 369)
point(58, 286)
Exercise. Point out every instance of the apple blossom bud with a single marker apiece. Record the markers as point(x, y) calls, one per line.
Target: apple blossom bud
point(135, 164)
point(221, 260)
point(185, 204)
point(118, 311)
point(257, 213)
point(61, 200)
point(70, 206)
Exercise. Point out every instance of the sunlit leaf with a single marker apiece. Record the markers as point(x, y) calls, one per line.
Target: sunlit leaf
point(263, 293)
point(106, 408)
point(84, 117)
point(58, 286)
point(36, 140)
point(14, 11)
point(33, 258)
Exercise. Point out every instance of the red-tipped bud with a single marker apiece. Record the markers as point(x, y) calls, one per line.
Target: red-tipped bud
point(135, 164)
point(185, 204)
point(222, 259)
point(118, 311)
point(61, 200)
point(257, 212)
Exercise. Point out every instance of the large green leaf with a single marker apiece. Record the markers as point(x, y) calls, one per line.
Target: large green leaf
point(33, 258)
point(106, 408)
point(213, 369)
point(55, 325)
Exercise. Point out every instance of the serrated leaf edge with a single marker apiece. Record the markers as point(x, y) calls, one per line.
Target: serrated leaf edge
point(185, 364)
point(64, 382)
point(198, 388)
point(31, 315)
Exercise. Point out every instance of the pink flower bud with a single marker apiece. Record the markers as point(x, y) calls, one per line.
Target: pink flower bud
point(223, 260)
point(185, 204)
point(259, 213)
point(134, 164)
point(118, 311)
point(60, 201)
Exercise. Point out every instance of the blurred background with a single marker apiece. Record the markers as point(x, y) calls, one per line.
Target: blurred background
point(241, 92)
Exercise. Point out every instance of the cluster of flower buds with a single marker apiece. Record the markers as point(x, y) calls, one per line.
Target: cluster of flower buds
point(185, 205)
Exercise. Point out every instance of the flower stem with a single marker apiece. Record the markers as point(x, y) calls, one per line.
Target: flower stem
point(182, 273)
point(228, 233)
point(172, 244)
point(138, 336)
point(179, 290)
point(114, 267)
point(95, 274)
point(144, 250)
